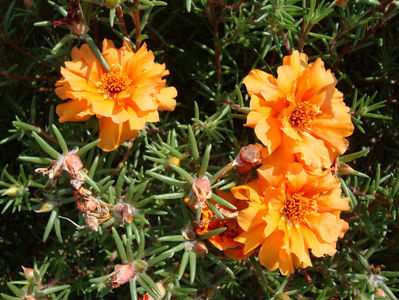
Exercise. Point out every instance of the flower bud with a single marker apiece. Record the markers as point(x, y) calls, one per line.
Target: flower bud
point(91, 221)
point(282, 296)
point(112, 3)
point(46, 207)
point(380, 292)
point(344, 169)
point(28, 272)
point(173, 161)
point(72, 163)
point(200, 248)
point(161, 289)
point(123, 273)
point(12, 191)
point(28, 3)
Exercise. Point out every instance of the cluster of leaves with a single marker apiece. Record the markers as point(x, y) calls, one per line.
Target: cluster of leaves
point(209, 46)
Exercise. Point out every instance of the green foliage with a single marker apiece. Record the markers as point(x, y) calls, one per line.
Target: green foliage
point(209, 47)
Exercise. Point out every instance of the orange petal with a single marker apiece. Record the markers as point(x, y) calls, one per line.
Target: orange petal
point(324, 225)
point(269, 252)
point(165, 98)
point(112, 135)
point(319, 248)
point(285, 79)
point(298, 247)
point(104, 108)
point(251, 239)
point(299, 61)
point(268, 132)
point(251, 217)
point(255, 81)
point(73, 110)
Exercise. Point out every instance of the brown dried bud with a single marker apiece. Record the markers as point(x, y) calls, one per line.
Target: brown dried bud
point(125, 211)
point(201, 190)
point(123, 273)
point(189, 233)
point(249, 156)
point(72, 163)
point(91, 221)
point(341, 3)
point(28, 3)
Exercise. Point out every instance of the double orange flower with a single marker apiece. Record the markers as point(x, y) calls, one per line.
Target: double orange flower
point(294, 204)
point(123, 99)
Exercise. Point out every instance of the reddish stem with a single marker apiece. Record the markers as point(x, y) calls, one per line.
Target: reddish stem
point(136, 19)
point(216, 33)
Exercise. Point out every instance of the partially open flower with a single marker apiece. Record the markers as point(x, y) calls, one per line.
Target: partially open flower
point(201, 190)
point(122, 274)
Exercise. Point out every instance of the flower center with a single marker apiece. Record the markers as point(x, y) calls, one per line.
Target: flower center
point(113, 82)
point(297, 207)
point(303, 115)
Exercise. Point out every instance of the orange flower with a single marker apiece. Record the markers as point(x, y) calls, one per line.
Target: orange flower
point(224, 241)
point(123, 100)
point(291, 215)
point(300, 110)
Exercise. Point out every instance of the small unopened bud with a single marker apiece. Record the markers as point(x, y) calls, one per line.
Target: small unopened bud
point(173, 161)
point(189, 233)
point(282, 296)
point(28, 272)
point(29, 297)
point(79, 29)
point(201, 190)
point(210, 293)
point(200, 248)
point(341, 3)
point(112, 3)
point(46, 207)
point(123, 273)
point(28, 3)
point(146, 297)
point(12, 191)
point(380, 292)
point(249, 156)
point(344, 169)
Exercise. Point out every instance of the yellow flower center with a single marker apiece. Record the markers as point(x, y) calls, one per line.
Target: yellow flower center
point(113, 82)
point(303, 115)
point(297, 207)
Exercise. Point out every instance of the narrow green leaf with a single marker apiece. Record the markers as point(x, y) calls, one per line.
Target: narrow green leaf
point(57, 228)
point(205, 161)
point(223, 202)
point(193, 144)
point(212, 233)
point(91, 182)
point(60, 139)
point(166, 179)
point(55, 289)
point(97, 52)
point(26, 126)
point(8, 297)
point(111, 16)
point(169, 196)
point(50, 224)
point(87, 147)
point(150, 283)
point(183, 264)
point(93, 166)
point(153, 261)
point(352, 156)
point(145, 286)
point(119, 183)
point(215, 210)
point(175, 248)
point(16, 290)
point(119, 245)
point(193, 265)
point(183, 173)
point(46, 147)
point(133, 289)
point(171, 238)
point(99, 279)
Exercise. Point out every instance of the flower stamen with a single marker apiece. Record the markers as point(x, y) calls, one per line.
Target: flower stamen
point(114, 82)
point(297, 208)
point(303, 115)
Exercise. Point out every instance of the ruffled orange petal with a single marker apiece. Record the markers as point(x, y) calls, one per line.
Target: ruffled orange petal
point(73, 111)
point(267, 130)
point(112, 135)
point(319, 248)
point(165, 98)
point(299, 61)
point(324, 225)
point(251, 239)
point(269, 252)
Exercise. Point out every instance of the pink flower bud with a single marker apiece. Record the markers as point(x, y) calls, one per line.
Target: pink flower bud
point(200, 248)
point(123, 273)
point(92, 222)
point(72, 163)
point(28, 272)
